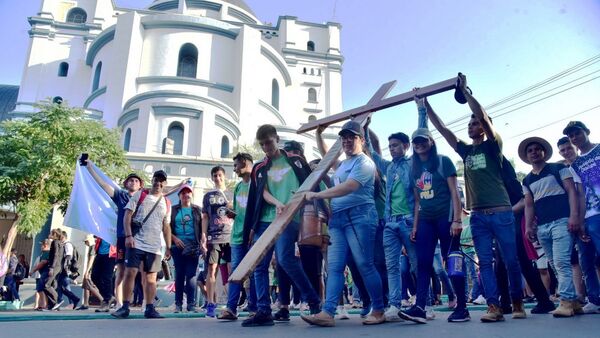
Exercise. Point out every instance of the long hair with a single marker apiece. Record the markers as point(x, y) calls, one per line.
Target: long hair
point(432, 162)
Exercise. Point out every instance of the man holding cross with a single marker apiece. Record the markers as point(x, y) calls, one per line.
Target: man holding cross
point(487, 198)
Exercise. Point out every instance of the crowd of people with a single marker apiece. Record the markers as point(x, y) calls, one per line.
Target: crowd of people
point(392, 231)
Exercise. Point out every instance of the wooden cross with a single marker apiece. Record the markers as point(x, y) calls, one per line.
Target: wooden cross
point(360, 115)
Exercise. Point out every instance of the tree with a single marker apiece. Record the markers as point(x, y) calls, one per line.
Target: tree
point(37, 159)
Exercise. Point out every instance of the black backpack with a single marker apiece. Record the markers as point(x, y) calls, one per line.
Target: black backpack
point(20, 272)
point(511, 183)
point(73, 264)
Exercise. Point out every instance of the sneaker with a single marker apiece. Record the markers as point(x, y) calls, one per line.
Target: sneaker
point(341, 313)
point(103, 307)
point(565, 309)
point(374, 318)
point(518, 310)
point(320, 319)
point(493, 314)
point(112, 302)
point(459, 315)
point(76, 303)
point(227, 315)
point(82, 308)
point(259, 319)
point(283, 315)
point(121, 313)
point(414, 314)
point(391, 315)
point(210, 310)
point(151, 313)
point(590, 308)
point(178, 309)
point(451, 304)
point(480, 300)
point(543, 308)
point(57, 306)
point(429, 313)
point(191, 308)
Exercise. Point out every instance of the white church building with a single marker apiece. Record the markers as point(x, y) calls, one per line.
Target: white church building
point(185, 80)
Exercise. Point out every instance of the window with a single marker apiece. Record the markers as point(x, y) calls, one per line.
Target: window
point(76, 15)
point(63, 69)
point(167, 169)
point(224, 147)
point(183, 171)
point(188, 61)
point(175, 133)
point(149, 169)
point(310, 46)
point(127, 139)
point(312, 118)
point(275, 94)
point(97, 73)
point(304, 70)
point(312, 95)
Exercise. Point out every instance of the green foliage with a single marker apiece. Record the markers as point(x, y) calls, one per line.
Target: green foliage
point(252, 149)
point(38, 158)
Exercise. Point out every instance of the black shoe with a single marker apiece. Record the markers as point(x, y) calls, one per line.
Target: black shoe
point(152, 314)
point(259, 319)
point(283, 315)
point(82, 308)
point(415, 314)
point(76, 303)
point(459, 315)
point(542, 308)
point(121, 313)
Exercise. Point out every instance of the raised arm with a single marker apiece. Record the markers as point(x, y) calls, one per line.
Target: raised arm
point(372, 143)
point(104, 185)
point(323, 148)
point(440, 126)
point(177, 187)
point(477, 109)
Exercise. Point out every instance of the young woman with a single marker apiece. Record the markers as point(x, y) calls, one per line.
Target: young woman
point(185, 219)
point(352, 227)
point(437, 218)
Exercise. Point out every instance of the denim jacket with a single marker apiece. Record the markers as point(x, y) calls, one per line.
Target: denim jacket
point(397, 169)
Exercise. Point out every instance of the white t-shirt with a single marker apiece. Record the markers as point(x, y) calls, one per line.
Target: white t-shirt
point(149, 237)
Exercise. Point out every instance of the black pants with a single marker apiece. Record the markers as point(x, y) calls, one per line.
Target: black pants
point(50, 291)
point(102, 273)
point(312, 262)
point(529, 271)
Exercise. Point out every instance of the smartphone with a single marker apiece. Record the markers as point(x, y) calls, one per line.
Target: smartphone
point(83, 159)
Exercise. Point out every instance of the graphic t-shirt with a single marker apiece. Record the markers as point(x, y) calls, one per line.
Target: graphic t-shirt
point(214, 204)
point(240, 201)
point(586, 170)
point(121, 198)
point(551, 201)
point(150, 235)
point(281, 183)
point(184, 225)
point(483, 178)
point(432, 187)
point(361, 169)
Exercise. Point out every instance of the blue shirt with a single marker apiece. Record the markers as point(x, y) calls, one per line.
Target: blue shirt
point(396, 172)
point(361, 169)
point(104, 248)
point(184, 224)
point(121, 198)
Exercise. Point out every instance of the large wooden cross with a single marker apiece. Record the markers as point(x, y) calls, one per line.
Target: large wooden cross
point(360, 115)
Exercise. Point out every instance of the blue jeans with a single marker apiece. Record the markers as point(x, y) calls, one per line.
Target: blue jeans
point(185, 276)
point(587, 253)
point(441, 273)
point(395, 236)
point(486, 227)
point(408, 278)
point(11, 285)
point(63, 287)
point(238, 251)
point(353, 232)
point(429, 232)
point(557, 242)
point(592, 227)
point(472, 274)
point(286, 257)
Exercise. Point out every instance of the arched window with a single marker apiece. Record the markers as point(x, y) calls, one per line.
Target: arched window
point(97, 74)
point(312, 118)
point(183, 171)
point(304, 70)
point(312, 95)
point(175, 133)
point(224, 147)
point(127, 139)
point(76, 15)
point(63, 69)
point(310, 46)
point(188, 61)
point(275, 94)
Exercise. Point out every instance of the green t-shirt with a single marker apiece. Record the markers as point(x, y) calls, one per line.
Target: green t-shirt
point(399, 202)
point(281, 182)
point(483, 177)
point(380, 199)
point(432, 187)
point(466, 238)
point(240, 201)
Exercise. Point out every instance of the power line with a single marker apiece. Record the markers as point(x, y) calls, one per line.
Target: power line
point(555, 122)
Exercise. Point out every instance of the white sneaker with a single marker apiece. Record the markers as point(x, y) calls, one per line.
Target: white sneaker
point(591, 308)
point(429, 313)
point(342, 313)
point(391, 315)
point(480, 300)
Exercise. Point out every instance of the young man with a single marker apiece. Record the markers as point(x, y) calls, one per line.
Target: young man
point(242, 166)
point(63, 281)
point(585, 172)
point(399, 203)
point(216, 232)
point(55, 258)
point(148, 214)
point(10, 281)
point(273, 181)
point(491, 213)
point(550, 196)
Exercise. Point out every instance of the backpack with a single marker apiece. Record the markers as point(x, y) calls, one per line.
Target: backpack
point(73, 264)
point(20, 272)
point(511, 183)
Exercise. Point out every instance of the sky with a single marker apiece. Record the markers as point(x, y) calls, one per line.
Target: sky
point(503, 46)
